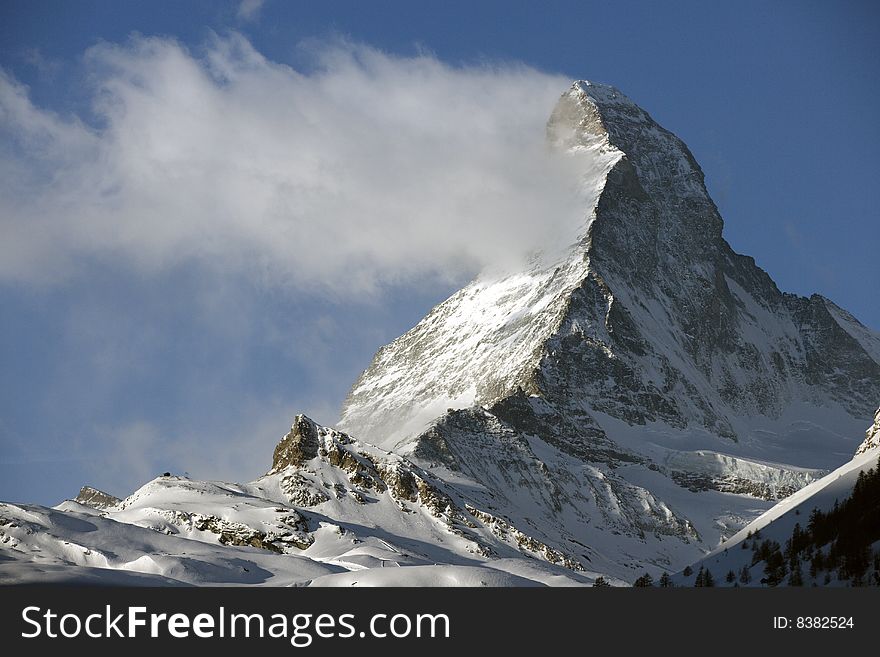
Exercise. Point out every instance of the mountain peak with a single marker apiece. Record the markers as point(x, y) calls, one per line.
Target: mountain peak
point(653, 318)
point(590, 115)
point(298, 446)
point(602, 95)
point(628, 403)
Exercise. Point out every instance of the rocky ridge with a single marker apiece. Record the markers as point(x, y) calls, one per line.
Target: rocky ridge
point(872, 435)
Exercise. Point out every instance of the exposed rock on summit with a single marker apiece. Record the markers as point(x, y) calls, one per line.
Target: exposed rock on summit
point(96, 499)
point(298, 446)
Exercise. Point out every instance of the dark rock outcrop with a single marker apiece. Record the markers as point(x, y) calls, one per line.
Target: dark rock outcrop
point(97, 499)
point(298, 446)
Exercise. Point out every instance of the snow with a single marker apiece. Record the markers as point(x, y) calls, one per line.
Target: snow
point(869, 340)
point(37, 540)
point(425, 576)
point(821, 494)
point(46, 574)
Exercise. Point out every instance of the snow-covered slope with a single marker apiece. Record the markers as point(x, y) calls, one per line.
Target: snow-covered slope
point(737, 555)
point(487, 338)
point(72, 545)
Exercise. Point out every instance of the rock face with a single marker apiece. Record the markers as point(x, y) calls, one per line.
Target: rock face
point(343, 478)
point(96, 499)
point(586, 383)
point(298, 446)
point(872, 435)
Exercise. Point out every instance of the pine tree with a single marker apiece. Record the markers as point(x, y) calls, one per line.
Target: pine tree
point(644, 581)
point(731, 577)
point(774, 565)
point(708, 580)
point(704, 578)
point(665, 581)
point(798, 539)
point(745, 575)
point(688, 571)
point(859, 488)
point(796, 578)
point(601, 581)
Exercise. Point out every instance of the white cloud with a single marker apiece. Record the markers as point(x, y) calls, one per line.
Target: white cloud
point(249, 10)
point(371, 169)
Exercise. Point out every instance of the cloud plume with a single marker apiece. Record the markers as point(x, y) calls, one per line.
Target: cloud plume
point(367, 169)
point(249, 10)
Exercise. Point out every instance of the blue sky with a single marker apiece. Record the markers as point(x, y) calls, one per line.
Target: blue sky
point(180, 337)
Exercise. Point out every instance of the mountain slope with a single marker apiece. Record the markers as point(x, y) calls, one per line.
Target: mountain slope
point(742, 553)
point(330, 509)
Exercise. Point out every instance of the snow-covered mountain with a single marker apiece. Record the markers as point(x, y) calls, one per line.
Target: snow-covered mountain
point(624, 403)
point(649, 318)
point(609, 396)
